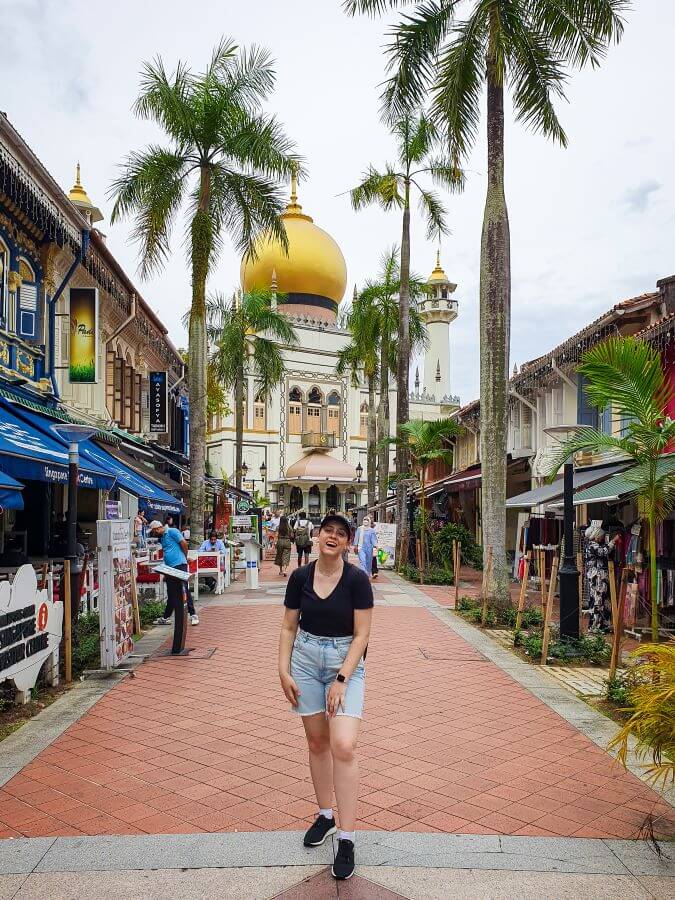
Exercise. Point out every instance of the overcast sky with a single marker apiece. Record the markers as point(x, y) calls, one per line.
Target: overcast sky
point(590, 225)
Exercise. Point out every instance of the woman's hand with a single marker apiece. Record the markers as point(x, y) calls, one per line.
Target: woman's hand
point(336, 698)
point(290, 688)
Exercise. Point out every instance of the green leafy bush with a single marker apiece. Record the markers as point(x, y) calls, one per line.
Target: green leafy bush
point(465, 603)
point(87, 650)
point(617, 689)
point(441, 546)
point(150, 611)
point(532, 645)
point(595, 649)
point(435, 575)
point(518, 638)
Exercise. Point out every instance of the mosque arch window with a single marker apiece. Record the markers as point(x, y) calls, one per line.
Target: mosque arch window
point(363, 421)
point(333, 414)
point(314, 501)
point(333, 497)
point(313, 412)
point(296, 501)
point(295, 411)
point(27, 306)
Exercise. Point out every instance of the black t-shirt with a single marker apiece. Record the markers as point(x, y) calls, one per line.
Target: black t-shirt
point(334, 615)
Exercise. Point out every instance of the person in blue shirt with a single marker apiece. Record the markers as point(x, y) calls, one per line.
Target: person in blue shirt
point(175, 549)
point(212, 545)
point(365, 541)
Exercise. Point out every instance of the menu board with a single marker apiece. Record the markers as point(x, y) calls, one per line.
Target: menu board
point(115, 605)
point(386, 544)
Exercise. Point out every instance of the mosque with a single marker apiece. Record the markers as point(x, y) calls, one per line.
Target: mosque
point(305, 447)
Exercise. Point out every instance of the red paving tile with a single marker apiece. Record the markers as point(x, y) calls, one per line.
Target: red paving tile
point(196, 744)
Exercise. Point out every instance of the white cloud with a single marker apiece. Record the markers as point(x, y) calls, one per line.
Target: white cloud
point(637, 198)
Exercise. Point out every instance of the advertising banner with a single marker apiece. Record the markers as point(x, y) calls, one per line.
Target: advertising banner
point(83, 363)
point(159, 402)
point(115, 606)
point(386, 544)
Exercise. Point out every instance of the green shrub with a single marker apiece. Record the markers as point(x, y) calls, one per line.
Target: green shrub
point(518, 638)
point(150, 611)
point(617, 689)
point(595, 649)
point(508, 616)
point(465, 603)
point(532, 617)
point(532, 645)
point(439, 575)
point(441, 546)
point(87, 650)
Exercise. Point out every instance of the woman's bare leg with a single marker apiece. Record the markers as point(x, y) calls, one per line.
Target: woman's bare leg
point(320, 759)
point(344, 733)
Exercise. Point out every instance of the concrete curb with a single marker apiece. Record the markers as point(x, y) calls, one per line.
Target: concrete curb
point(23, 856)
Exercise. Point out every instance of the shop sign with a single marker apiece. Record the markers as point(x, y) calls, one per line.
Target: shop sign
point(240, 521)
point(159, 402)
point(30, 629)
point(83, 363)
point(243, 506)
point(113, 509)
point(115, 607)
point(386, 544)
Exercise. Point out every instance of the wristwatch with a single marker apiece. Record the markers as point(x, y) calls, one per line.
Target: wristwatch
point(340, 677)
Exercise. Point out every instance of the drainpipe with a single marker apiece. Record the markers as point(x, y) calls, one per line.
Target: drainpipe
point(81, 253)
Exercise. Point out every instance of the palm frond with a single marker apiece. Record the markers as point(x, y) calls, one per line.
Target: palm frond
point(581, 30)
point(591, 440)
point(431, 207)
point(381, 188)
point(445, 174)
point(372, 7)
point(459, 82)
point(151, 189)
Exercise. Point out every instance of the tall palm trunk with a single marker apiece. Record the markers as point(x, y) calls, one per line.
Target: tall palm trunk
point(495, 315)
point(371, 458)
point(238, 425)
point(201, 245)
point(383, 419)
point(402, 366)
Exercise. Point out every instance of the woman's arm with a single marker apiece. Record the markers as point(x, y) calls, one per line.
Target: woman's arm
point(337, 690)
point(289, 628)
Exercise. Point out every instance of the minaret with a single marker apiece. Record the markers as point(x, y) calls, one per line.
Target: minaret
point(79, 198)
point(437, 310)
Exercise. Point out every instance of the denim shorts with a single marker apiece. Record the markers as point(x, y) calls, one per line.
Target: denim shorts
point(315, 662)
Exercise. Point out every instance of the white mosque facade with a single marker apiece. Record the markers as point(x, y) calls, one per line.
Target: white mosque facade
point(306, 446)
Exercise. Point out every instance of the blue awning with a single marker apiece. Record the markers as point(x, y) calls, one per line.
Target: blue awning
point(150, 495)
point(10, 492)
point(29, 451)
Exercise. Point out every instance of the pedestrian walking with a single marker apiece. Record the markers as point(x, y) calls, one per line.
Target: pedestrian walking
point(322, 649)
point(365, 543)
point(175, 549)
point(303, 537)
point(285, 537)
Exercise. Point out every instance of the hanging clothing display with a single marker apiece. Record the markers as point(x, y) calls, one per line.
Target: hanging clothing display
point(596, 558)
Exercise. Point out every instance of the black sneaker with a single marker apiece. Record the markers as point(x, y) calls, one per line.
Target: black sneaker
point(319, 831)
point(343, 866)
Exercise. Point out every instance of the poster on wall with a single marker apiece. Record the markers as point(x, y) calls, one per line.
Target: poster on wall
point(386, 544)
point(83, 367)
point(159, 402)
point(115, 607)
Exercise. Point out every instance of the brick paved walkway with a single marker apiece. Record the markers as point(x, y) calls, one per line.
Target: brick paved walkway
point(206, 743)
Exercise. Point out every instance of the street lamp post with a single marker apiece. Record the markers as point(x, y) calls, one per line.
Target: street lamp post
point(568, 572)
point(263, 474)
point(73, 435)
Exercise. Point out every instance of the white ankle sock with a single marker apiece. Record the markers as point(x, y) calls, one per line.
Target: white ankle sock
point(346, 836)
point(327, 813)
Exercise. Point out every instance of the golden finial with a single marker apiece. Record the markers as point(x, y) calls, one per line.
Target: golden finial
point(294, 184)
point(77, 174)
point(438, 258)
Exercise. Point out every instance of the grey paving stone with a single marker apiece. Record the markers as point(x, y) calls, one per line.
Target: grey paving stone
point(443, 884)
point(21, 855)
point(639, 859)
point(9, 885)
point(554, 848)
point(658, 887)
point(414, 842)
point(191, 851)
point(164, 884)
point(601, 865)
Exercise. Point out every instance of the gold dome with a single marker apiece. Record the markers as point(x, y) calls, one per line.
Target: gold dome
point(312, 274)
point(438, 275)
point(80, 198)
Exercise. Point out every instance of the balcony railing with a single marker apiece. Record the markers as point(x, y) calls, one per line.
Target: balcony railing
point(318, 440)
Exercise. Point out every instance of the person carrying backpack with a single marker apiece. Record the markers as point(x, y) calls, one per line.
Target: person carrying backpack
point(303, 537)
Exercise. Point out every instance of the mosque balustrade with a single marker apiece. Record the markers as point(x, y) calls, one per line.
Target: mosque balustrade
point(318, 440)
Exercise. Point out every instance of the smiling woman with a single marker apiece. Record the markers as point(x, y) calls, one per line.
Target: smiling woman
point(322, 649)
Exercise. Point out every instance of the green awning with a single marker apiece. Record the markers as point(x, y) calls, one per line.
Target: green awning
point(619, 486)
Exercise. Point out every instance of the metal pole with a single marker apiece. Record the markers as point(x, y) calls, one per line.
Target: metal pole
point(569, 574)
point(71, 547)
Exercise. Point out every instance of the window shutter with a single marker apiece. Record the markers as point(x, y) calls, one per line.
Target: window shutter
point(137, 404)
point(28, 310)
point(145, 408)
point(110, 381)
point(128, 395)
point(586, 413)
point(117, 389)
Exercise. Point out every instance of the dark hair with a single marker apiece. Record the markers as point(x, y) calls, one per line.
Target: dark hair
point(331, 511)
point(302, 515)
point(284, 527)
point(213, 531)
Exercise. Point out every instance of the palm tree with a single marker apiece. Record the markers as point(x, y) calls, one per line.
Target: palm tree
point(245, 333)
point(361, 355)
point(425, 443)
point(626, 375)
point(383, 294)
point(416, 137)
point(524, 45)
point(225, 158)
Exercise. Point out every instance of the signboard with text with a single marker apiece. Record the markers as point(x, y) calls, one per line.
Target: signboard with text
point(83, 361)
point(159, 403)
point(386, 544)
point(115, 606)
